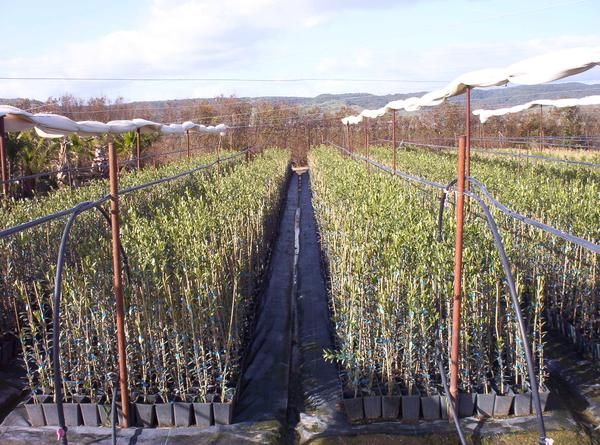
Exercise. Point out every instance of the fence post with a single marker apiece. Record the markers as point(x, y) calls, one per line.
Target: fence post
point(118, 281)
point(366, 126)
point(5, 187)
point(541, 127)
point(348, 136)
point(187, 137)
point(458, 250)
point(137, 148)
point(394, 143)
point(468, 138)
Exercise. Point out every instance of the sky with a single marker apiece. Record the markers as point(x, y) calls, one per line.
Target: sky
point(276, 47)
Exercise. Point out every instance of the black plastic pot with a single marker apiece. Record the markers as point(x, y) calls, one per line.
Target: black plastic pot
point(485, 404)
point(164, 414)
point(372, 406)
point(411, 406)
point(72, 414)
point(203, 414)
point(466, 404)
point(104, 414)
point(183, 413)
point(390, 407)
point(35, 413)
point(89, 414)
point(522, 404)
point(105, 410)
point(50, 414)
point(503, 405)
point(223, 413)
point(444, 409)
point(145, 415)
point(544, 396)
point(430, 406)
point(354, 409)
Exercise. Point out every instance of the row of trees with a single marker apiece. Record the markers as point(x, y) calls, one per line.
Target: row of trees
point(261, 123)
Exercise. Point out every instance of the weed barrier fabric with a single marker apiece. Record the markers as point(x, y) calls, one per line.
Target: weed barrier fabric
point(320, 379)
point(263, 393)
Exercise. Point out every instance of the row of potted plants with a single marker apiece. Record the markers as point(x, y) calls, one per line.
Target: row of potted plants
point(434, 407)
point(196, 250)
point(42, 411)
point(584, 344)
point(392, 294)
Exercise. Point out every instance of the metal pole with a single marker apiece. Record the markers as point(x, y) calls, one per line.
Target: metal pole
point(349, 141)
point(367, 143)
point(187, 137)
point(118, 280)
point(3, 158)
point(458, 250)
point(137, 148)
point(541, 127)
point(219, 155)
point(394, 143)
point(468, 141)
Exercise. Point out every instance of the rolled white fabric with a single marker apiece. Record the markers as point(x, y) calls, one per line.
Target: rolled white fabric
point(536, 70)
point(484, 115)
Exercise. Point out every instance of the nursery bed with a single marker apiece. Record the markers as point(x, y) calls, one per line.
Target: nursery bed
point(297, 398)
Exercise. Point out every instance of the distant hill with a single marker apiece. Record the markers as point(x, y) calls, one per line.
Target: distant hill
point(481, 98)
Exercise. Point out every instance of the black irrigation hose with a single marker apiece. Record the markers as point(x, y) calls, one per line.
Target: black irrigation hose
point(113, 411)
point(452, 406)
point(582, 242)
point(35, 222)
point(516, 155)
point(514, 297)
point(79, 209)
point(588, 245)
point(56, 320)
point(75, 212)
point(178, 175)
point(515, 300)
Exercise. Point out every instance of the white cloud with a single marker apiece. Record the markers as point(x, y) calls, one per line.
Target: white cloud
point(230, 38)
point(440, 64)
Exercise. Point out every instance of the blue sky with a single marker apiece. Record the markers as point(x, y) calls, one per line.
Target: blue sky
point(419, 43)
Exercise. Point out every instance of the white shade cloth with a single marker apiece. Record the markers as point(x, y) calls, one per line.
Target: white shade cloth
point(536, 70)
point(50, 125)
point(484, 115)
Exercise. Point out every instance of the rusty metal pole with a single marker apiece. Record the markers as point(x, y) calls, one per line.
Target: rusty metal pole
point(187, 137)
point(367, 144)
point(3, 158)
point(541, 127)
point(118, 281)
point(348, 136)
point(137, 148)
point(219, 155)
point(468, 141)
point(394, 142)
point(458, 250)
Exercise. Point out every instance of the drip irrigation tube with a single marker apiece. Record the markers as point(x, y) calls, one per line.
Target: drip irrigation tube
point(451, 405)
point(44, 219)
point(514, 298)
point(516, 155)
point(508, 275)
point(582, 242)
point(77, 210)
